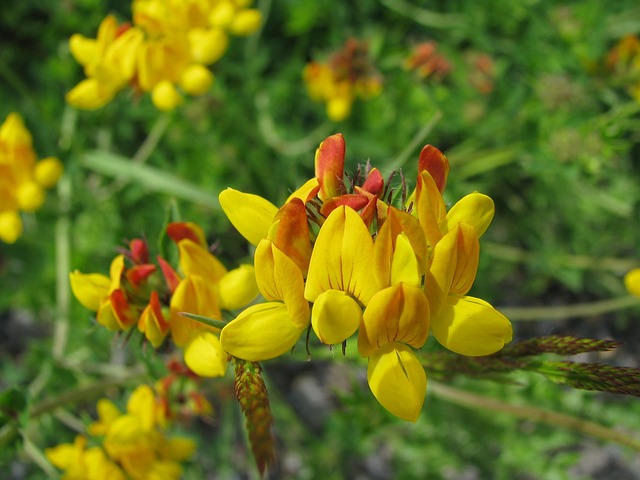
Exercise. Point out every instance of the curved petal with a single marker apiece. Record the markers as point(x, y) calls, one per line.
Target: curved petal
point(307, 191)
point(193, 295)
point(250, 214)
point(260, 332)
point(436, 163)
point(431, 209)
point(475, 209)
point(280, 279)
point(397, 380)
point(197, 260)
point(89, 288)
point(238, 287)
point(292, 234)
point(454, 265)
point(470, 326)
point(341, 258)
point(329, 166)
point(399, 313)
point(335, 316)
point(205, 356)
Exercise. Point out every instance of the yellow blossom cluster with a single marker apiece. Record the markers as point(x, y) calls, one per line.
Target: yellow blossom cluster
point(344, 261)
point(151, 296)
point(23, 179)
point(125, 445)
point(349, 74)
point(166, 50)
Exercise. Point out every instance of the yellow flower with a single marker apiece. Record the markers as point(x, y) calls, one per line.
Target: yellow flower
point(23, 180)
point(466, 325)
point(340, 283)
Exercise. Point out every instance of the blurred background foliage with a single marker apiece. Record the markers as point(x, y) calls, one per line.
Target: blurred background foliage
point(523, 103)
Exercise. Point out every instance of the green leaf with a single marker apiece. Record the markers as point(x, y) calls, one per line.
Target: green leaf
point(151, 178)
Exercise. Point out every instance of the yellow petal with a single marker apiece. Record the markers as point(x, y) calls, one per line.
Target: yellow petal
point(245, 22)
point(165, 96)
point(178, 449)
point(454, 265)
point(470, 326)
point(89, 94)
point(192, 295)
point(404, 266)
point(335, 316)
point(341, 258)
point(632, 282)
point(475, 209)
point(399, 313)
point(197, 260)
point(397, 380)
point(142, 404)
point(238, 287)
point(329, 166)
point(196, 79)
point(260, 332)
point(89, 288)
point(250, 214)
point(430, 206)
point(68, 455)
point(207, 45)
point(205, 356)
point(306, 192)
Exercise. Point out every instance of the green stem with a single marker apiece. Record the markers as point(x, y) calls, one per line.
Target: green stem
point(562, 312)
point(416, 142)
point(586, 427)
point(151, 142)
point(63, 267)
point(513, 254)
point(212, 322)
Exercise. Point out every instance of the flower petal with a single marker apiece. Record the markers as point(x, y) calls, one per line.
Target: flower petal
point(238, 287)
point(398, 380)
point(250, 214)
point(260, 332)
point(454, 265)
point(89, 288)
point(632, 282)
point(335, 316)
point(205, 356)
point(470, 326)
point(341, 258)
point(475, 209)
point(399, 313)
point(329, 166)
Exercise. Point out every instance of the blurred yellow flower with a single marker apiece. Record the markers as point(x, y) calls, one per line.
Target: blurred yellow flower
point(23, 179)
point(166, 49)
point(349, 74)
point(133, 444)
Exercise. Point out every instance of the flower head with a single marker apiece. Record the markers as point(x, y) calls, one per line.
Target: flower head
point(23, 179)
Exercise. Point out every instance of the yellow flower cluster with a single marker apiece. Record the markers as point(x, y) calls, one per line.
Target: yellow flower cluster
point(124, 445)
point(165, 51)
point(344, 261)
point(347, 75)
point(151, 296)
point(23, 179)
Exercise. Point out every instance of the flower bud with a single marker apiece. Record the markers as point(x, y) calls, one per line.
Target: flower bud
point(10, 226)
point(165, 96)
point(196, 79)
point(30, 196)
point(246, 22)
point(48, 172)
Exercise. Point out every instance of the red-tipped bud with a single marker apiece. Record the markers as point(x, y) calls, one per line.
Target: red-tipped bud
point(329, 165)
point(435, 162)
